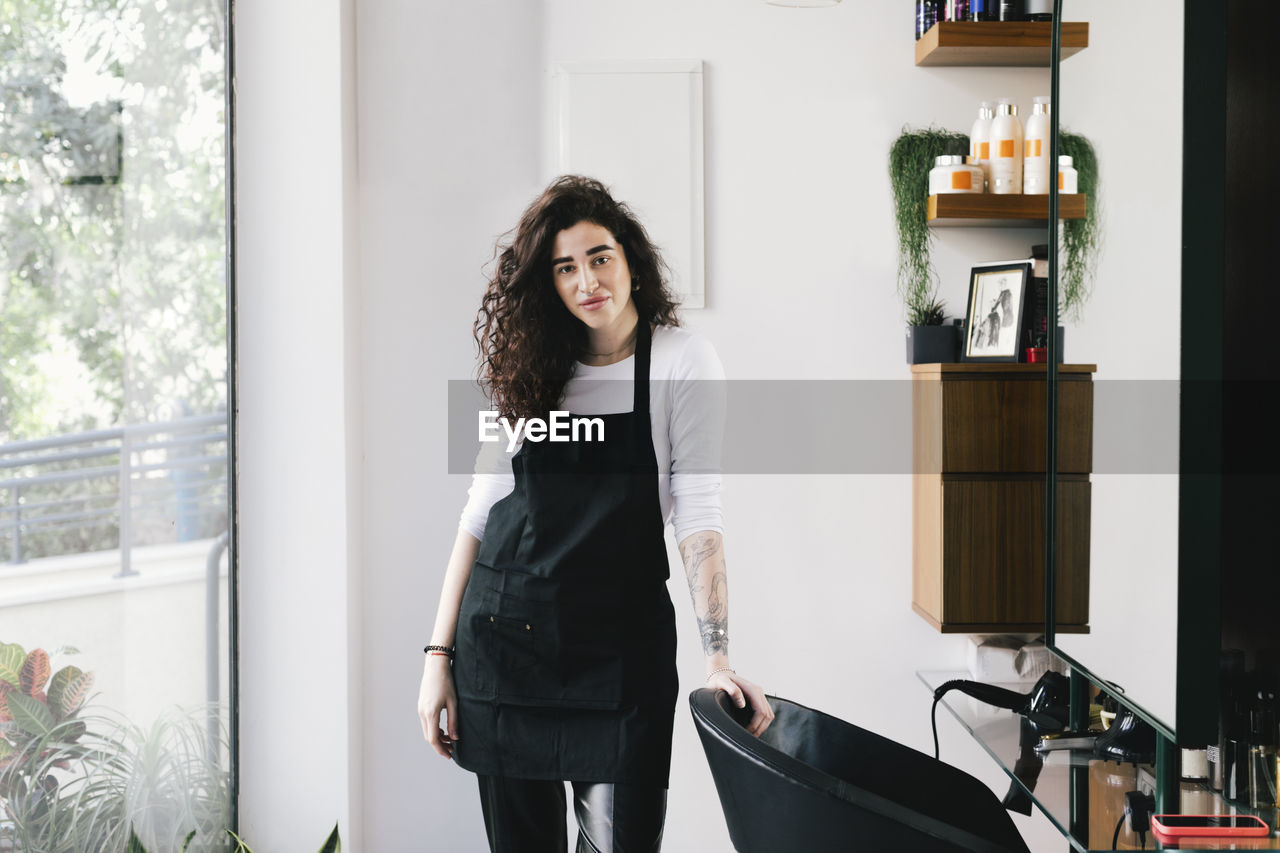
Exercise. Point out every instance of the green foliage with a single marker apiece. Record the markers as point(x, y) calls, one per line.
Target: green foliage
point(33, 717)
point(12, 656)
point(113, 213)
point(103, 783)
point(910, 159)
point(38, 737)
point(332, 844)
point(68, 691)
point(1081, 238)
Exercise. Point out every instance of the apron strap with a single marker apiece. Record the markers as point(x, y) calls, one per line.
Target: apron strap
point(640, 401)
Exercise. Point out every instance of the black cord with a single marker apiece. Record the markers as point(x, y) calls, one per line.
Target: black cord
point(933, 719)
point(1115, 839)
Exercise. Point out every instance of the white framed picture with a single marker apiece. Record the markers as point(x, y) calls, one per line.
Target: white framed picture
point(652, 159)
point(997, 311)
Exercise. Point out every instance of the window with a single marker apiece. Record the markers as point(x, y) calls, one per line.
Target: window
point(114, 639)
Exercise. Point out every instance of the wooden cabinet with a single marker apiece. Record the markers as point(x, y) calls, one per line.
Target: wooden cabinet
point(978, 494)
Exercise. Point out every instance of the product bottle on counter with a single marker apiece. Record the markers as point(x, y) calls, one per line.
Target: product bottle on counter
point(1011, 10)
point(950, 174)
point(983, 10)
point(1264, 793)
point(980, 139)
point(1005, 166)
point(926, 16)
point(1038, 10)
point(1035, 159)
point(1068, 181)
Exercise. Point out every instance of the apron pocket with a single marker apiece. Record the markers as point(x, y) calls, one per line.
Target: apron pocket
point(511, 644)
point(535, 649)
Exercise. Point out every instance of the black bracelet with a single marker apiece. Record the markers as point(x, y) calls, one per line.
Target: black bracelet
point(448, 650)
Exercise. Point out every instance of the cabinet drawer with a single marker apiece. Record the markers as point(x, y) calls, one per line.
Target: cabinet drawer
point(993, 423)
point(979, 552)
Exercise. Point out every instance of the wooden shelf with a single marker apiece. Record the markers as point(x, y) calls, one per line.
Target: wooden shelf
point(1009, 43)
point(977, 367)
point(1003, 211)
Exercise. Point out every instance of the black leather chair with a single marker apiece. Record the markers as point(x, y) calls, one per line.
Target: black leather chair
point(813, 782)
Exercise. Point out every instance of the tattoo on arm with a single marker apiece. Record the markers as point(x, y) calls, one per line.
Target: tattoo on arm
point(713, 625)
point(696, 551)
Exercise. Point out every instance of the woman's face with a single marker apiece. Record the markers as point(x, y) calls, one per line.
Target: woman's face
point(591, 275)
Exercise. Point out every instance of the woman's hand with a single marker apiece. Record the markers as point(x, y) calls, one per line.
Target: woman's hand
point(437, 693)
point(744, 693)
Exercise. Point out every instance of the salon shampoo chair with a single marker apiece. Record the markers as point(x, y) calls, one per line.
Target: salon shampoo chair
point(812, 782)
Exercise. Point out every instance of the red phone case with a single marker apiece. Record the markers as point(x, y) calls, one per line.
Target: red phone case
point(1253, 830)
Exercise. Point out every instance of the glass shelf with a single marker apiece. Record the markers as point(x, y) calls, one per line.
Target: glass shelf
point(1080, 795)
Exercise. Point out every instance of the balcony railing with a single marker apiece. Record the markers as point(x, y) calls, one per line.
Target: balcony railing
point(142, 484)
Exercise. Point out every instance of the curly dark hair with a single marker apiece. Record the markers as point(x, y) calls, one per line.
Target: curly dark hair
point(528, 339)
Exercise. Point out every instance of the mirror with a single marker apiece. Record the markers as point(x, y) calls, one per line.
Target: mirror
point(1125, 94)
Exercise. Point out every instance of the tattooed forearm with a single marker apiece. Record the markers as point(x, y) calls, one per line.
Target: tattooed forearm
point(714, 626)
point(696, 550)
point(708, 587)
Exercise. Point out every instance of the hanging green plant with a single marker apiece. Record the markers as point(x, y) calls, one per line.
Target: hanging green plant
point(910, 159)
point(1080, 237)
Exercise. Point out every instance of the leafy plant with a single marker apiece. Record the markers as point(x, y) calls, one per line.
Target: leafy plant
point(333, 844)
point(72, 782)
point(910, 159)
point(932, 314)
point(37, 715)
point(1081, 238)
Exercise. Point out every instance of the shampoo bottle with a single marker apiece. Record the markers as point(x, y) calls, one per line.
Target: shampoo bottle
point(1005, 168)
point(1035, 161)
point(1068, 180)
point(980, 139)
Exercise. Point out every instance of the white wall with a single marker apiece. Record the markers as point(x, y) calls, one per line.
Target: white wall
point(453, 119)
point(299, 461)
point(448, 132)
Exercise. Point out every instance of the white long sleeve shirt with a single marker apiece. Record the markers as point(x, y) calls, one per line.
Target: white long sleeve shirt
point(686, 412)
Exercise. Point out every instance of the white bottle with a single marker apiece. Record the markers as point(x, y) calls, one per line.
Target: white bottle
point(1006, 149)
point(951, 174)
point(1068, 180)
point(1035, 160)
point(980, 138)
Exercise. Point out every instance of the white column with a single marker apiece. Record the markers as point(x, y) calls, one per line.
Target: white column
point(299, 430)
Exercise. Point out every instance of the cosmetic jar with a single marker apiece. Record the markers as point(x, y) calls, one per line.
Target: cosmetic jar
point(951, 174)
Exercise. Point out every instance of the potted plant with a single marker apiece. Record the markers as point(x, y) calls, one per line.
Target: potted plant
point(910, 159)
point(1081, 238)
point(40, 735)
point(928, 340)
point(332, 844)
point(72, 781)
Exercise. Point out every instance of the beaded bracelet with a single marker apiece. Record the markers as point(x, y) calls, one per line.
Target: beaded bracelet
point(721, 669)
point(444, 650)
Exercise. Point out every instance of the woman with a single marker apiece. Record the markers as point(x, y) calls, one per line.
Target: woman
point(555, 594)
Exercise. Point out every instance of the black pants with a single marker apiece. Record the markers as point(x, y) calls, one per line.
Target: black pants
point(529, 815)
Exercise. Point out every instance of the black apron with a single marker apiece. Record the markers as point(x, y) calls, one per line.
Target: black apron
point(565, 649)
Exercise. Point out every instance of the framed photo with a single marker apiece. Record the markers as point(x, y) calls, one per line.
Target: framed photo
point(996, 319)
point(653, 160)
